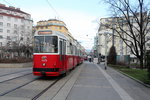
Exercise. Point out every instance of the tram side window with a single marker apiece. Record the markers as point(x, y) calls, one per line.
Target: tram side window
point(64, 47)
point(76, 52)
point(69, 48)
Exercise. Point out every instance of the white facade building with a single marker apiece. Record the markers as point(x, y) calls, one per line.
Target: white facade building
point(121, 47)
point(15, 26)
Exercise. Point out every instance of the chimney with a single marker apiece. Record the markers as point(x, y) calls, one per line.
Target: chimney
point(18, 9)
point(11, 7)
point(2, 5)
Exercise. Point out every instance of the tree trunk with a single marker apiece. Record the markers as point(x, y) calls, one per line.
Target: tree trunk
point(141, 62)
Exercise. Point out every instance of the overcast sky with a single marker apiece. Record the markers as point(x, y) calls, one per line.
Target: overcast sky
point(80, 16)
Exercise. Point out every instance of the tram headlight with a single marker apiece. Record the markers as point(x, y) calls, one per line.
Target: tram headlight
point(44, 64)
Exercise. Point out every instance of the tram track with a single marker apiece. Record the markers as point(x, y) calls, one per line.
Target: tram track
point(11, 85)
point(37, 88)
point(9, 77)
point(43, 91)
point(38, 80)
point(6, 92)
point(55, 85)
point(50, 92)
point(14, 72)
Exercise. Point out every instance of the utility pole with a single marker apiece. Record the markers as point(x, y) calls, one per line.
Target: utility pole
point(106, 41)
point(113, 31)
point(121, 45)
point(105, 51)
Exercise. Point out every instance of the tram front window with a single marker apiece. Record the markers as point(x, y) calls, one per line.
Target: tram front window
point(45, 44)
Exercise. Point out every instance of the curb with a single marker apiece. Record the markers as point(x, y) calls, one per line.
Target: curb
point(15, 65)
point(134, 79)
point(147, 85)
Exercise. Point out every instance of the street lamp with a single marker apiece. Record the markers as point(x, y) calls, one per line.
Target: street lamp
point(113, 32)
point(106, 41)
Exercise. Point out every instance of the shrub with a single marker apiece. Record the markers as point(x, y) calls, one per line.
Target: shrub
point(112, 55)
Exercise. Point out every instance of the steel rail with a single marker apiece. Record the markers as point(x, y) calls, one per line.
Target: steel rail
point(14, 72)
point(4, 93)
point(15, 77)
point(43, 91)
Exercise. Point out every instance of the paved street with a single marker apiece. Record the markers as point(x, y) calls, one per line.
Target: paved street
point(88, 81)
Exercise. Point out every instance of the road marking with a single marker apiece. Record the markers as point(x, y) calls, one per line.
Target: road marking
point(123, 94)
point(92, 86)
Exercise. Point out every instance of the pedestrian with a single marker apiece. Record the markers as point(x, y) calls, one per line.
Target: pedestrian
point(99, 58)
point(89, 58)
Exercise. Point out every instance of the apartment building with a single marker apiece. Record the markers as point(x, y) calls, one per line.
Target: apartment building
point(53, 24)
point(105, 36)
point(15, 26)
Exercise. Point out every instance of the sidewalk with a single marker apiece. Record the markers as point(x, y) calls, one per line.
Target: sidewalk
point(95, 83)
point(16, 65)
point(92, 85)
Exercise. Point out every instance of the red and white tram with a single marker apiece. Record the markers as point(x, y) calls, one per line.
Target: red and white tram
point(54, 53)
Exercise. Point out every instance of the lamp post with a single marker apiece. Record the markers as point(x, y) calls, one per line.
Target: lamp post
point(106, 41)
point(105, 52)
point(113, 32)
point(121, 44)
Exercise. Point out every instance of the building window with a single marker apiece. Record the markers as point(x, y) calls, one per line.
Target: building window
point(8, 31)
point(8, 12)
point(8, 24)
point(1, 17)
point(1, 43)
point(15, 25)
point(15, 32)
point(27, 27)
point(8, 18)
point(22, 27)
point(148, 38)
point(1, 24)
point(1, 37)
point(15, 13)
point(22, 20)
point(8, 38)
point(1, 30)
point(16, 20)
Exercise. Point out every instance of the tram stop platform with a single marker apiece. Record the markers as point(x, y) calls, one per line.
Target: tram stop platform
point(92, 85)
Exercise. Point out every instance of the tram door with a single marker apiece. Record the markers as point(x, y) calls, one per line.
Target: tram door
point(62, 45)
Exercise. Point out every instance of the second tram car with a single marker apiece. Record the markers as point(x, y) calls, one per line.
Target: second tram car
point(54, 53)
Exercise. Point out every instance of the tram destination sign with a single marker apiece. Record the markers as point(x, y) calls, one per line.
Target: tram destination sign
point(44, 32)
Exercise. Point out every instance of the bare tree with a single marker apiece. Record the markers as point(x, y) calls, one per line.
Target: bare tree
point(132, 20)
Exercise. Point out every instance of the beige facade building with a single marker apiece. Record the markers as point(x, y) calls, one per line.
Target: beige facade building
point(55, 25)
